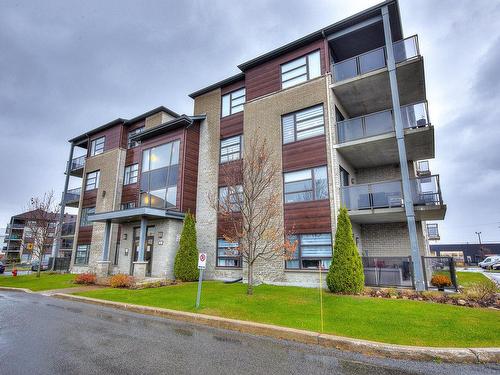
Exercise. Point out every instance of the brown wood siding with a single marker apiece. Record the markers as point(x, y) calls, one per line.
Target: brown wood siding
point(266, 78)
point(89, 198)
point(232, 87)
point(127, 129)
point(113, 138)
point(231, 125)
point(84, 235)
point(189, 170)
point(130, 193)
point(226, 226)
point(308, 217)
point(304, 154)
point(230, 170)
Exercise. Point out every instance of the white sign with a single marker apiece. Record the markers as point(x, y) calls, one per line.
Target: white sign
point(202, 261)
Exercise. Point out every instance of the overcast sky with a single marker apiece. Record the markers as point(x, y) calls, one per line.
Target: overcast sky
point(67, 66)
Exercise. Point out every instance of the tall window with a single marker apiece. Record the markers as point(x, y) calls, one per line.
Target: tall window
point(97, 146)
point(228, 254)
point(131, 134)
point(312, 250)
point(160, 167)
point(300, 70)
point(303, 124)
point(344, 177)
point(131, 174)
point(92, 180)
point(233, 102)
point(82, 254)
point(230, 198)
point(306, 185)
point(84, 219)
point(230, 149)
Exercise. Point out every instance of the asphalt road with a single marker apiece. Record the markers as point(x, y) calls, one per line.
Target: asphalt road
point(44, 335)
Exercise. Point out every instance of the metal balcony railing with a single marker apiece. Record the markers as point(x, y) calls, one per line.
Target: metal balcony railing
point(72, 195)
point(68, 229)
point(377, 123)
point(425, 192)
point(77, 163)
point(404, 49)
point(433, 231)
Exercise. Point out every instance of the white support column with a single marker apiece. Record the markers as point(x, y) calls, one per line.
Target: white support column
point(405, 177)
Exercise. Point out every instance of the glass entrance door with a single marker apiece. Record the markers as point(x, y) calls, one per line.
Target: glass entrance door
point(148, 249)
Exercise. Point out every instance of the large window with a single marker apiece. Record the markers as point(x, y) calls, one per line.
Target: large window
point(230, 198)
point(312, 250)
point(84, 220)
point(92, 180)
point(160, 167)
point(303, 124)
point(306, 185)
point(82, 254)
point(131, 133)
point(233, 102)
point(228, 254)
point(97, 146)
point(131, 174)
point(300, 70)
point(230, 149)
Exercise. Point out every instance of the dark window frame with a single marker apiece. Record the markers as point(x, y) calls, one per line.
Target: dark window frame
point(238, 258)
point(300, 258)
point(233, 193)
point(239, 152)
point(95, 184)
point(307, 74)
point(84, 216)
point(231, 99)
point(84, 260)
point(295, 132)
point(313, 185)
point(131, 133)
point(95, 143)
point(128, 205)
point(130, 174)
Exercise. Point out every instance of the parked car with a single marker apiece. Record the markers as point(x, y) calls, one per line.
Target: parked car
point(489, 262)
point(2, 268)
point(496, 266)
point(43, 267)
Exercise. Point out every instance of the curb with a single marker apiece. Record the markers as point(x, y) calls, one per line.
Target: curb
point(11, 289)
point(451, 355)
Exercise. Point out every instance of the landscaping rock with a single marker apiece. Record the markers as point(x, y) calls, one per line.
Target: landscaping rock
point(461, 302)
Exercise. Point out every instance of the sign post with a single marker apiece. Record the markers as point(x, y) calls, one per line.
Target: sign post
point(202, 263)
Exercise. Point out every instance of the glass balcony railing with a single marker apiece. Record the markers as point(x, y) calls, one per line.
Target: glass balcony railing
point(68, 229)
point(433, 231)
point(413, 116)
point(72, 195)
point(425, 192)
point(77, 163)
point(404, 49)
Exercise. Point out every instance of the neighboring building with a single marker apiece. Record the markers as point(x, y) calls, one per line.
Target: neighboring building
point(17, 234)
point(343, 112)
point(468, 253)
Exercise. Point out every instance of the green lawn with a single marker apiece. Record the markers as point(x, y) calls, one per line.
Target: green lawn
point(45, 282)
point(469, 278)
point(393, 321)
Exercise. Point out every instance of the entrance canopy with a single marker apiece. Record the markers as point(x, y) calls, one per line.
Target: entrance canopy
point(135, 214)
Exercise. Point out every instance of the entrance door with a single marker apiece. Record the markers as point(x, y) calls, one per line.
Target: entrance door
point(148, 249)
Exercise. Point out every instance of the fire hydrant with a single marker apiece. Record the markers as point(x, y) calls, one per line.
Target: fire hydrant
point(14, 272)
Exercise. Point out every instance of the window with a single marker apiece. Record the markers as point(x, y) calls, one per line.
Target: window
point(233, 102)
point(131, 174)
point(312, 250)
point(300, 70)
point(230, 149)
point(229, 198)
point(306, 185)
point(82, 254)
point(131, 133)
point(117, 253)
point(84, 220)
point(127, 205)
point(97, 146)
point(303, 124)
point(92, 181)
point(160, 167)
point(228, 254)
point(344, 177)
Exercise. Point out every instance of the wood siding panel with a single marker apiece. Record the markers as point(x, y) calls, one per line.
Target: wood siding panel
point(189, 174)
point(231, 173)
point(89, 198)
point(232, 87)
point(113, 138)
point(130, 193)
point(231, 125)
point(266, 78)
point(226, 226)
point(84, 235)
point(308, 217)
point(304, 154)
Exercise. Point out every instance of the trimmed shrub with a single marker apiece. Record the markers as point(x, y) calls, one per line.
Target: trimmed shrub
point(85, 278)
point(346, 271)
point(440, 281)
point(120, 280)
point(481, 291)
point(186, 259)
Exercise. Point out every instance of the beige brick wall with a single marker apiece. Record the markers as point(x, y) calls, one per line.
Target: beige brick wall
point(157, 119)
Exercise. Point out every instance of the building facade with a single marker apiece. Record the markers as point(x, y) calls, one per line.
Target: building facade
point(345, 111)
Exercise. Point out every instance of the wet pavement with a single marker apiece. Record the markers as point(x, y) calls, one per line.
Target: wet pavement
point(44, 335)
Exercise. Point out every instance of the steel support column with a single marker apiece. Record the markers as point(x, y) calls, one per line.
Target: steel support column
point(405, 176)
point(142, 239)
point(105, 245)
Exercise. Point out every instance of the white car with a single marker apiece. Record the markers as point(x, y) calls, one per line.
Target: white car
point(489, 262)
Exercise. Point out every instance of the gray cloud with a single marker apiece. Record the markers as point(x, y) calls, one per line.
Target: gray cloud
point(66, 67)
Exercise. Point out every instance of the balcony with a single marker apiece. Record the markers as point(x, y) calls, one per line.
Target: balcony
point(370, 140)
point(382, 202)
point(68, 229)
point(66, 244)
point(433, 232)
point(361, 83)
point(72, 197)
point(76, 166)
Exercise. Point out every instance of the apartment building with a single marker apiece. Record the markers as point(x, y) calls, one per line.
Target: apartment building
point(344, 108)
point(18, 236)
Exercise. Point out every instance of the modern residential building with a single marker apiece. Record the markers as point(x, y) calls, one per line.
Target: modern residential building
point(469, 253)
point(17, 235)
point(344, 109)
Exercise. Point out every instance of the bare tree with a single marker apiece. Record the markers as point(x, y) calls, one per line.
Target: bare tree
point(249, 206)
point(41, 226)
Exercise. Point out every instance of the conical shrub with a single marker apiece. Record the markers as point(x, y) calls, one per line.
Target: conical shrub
point(186, 259)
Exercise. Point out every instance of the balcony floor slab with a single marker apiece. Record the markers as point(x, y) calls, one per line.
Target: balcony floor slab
point(396, 214)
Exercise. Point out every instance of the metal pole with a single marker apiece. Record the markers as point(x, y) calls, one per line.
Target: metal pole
point(479, 237)
point(198, 296)
point(403, 162)
point(55, 249)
